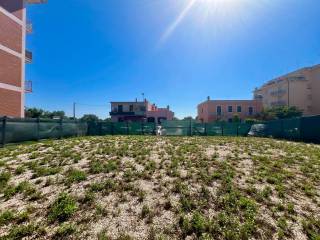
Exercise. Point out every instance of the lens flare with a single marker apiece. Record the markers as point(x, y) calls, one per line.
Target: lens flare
point(223, 13)
point(177, 21)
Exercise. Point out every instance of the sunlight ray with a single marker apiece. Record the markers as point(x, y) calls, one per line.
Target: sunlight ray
point(177, 22)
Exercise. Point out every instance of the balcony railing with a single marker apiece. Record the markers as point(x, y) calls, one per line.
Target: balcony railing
point(278, 92)
point(278, 103)
point(28, 87)
point(28, 56)
point(29, 28)
point(117, 113)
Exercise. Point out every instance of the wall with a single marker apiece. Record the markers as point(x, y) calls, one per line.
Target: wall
point(162, 113)
point(15, 7)
point(207, 111)
point(303, 92)
point(10, 103)
point(12, 57)
point(315, 89)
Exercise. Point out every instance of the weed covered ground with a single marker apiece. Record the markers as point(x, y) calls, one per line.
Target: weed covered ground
point(129, 187)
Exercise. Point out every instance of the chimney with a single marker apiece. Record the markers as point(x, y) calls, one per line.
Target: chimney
point(208, 98)
point(168, 107)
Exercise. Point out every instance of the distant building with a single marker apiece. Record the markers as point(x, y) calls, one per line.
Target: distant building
point(300, 89)
point(226, 110)
point(13, 56)
point(139, 112)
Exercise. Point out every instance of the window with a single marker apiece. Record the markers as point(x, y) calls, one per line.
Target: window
point(202, 110)
point(120, 108)
point(230, 109)
point(143, 108)
point(131, 108)
point(239, 110)
point(219, 110)
point(250, 111)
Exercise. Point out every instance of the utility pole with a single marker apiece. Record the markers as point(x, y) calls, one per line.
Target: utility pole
point(74, 111)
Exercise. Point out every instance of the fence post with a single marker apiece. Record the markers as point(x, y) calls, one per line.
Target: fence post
point(112, 128)
point(238, 129)
point(190, 127)
point(282, 130)
point(155, 128)
point(222, 133)
point(142, 128)
point(300, 128)
point(38, 128)
point(60, 126)
point(3, 134)
point(127, 128)
point(100, 128)
point(205, 129)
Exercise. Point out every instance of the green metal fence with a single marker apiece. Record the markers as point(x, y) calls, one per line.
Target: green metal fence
point(121, 128)
point(14, 130)
point(19, 130)
point(192, 128)
point(305, 129)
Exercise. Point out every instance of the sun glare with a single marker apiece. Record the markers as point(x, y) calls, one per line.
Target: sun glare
point(204, 12)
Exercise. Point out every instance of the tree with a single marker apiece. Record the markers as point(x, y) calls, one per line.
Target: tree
point(33, 112)
point(90, 118)
point(282, 112)
point(236, 118)
point(187, 118)
point(54, 114)
point(40, 113)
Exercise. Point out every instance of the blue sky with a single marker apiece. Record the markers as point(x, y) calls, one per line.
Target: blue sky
point(177, 52)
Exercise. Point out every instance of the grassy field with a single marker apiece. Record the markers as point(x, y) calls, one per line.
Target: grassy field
point(160, 188)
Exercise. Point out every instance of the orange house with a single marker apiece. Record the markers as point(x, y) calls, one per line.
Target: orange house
point(226, 110)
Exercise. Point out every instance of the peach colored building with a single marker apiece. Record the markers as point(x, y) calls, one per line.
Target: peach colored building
point(300, 88)
point(139, 112)
point(13, 56)
point(225, 110)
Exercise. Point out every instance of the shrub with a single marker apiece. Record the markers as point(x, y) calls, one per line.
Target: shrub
point(145, 211)
point(311, 226)
point(6, 217)
point(101, 167)
point(45, 171)
point(19, 170)
point(62, 208)
point(22, 231)
point(65, 230)
point(4, 178)
point(74, 175)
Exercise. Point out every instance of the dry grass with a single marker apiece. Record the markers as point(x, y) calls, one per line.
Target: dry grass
point(160, 188)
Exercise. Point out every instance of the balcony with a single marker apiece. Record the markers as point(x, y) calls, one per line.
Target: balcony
point(137, 113)
point(279, 103)
point(116, 113)
point(279, 92)
point(29, 28)
point(28, 86)
point(28, 56)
